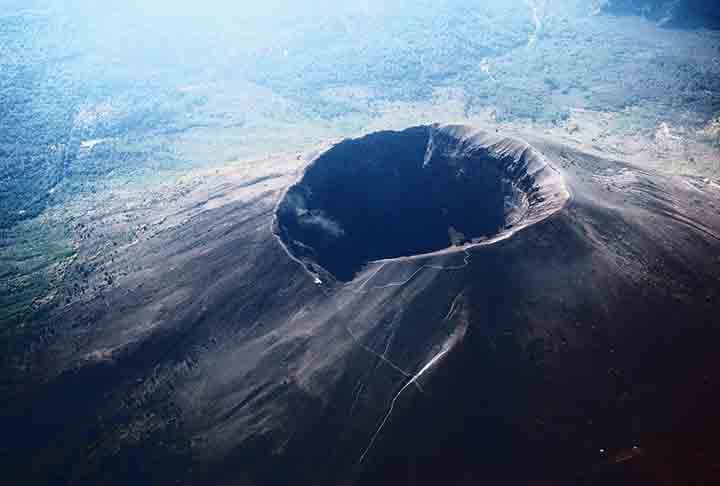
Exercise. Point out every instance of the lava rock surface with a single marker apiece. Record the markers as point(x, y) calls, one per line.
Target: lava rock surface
point(577, 347)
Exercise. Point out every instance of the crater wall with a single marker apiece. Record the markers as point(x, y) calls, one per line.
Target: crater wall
point(413, 192)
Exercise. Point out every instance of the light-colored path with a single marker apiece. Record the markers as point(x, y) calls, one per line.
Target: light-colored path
point(446, 348)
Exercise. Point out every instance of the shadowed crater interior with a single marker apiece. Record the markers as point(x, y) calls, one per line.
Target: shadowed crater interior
point(417, 191)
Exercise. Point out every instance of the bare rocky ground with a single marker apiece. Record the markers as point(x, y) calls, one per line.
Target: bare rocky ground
point(162, 304)
point(194, 339)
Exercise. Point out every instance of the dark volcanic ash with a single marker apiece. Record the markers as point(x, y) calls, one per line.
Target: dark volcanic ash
point(478, 309)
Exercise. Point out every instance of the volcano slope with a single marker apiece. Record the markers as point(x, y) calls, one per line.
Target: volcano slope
point(440, 305)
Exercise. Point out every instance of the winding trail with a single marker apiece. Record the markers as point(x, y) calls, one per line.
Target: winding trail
point(446, 348)
point(383, 263)
point(376, 354)
point(395, 399)
point(357, 397)
point(362, 289)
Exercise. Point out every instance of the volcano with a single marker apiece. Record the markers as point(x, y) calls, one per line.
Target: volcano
point(438, 305)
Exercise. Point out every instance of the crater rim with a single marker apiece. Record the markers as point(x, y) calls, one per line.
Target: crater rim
point(539, 190)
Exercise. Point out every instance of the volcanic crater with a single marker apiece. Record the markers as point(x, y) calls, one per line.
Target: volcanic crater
point(415, 192)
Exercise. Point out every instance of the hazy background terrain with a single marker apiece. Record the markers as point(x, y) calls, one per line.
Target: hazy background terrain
point(101, 99)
